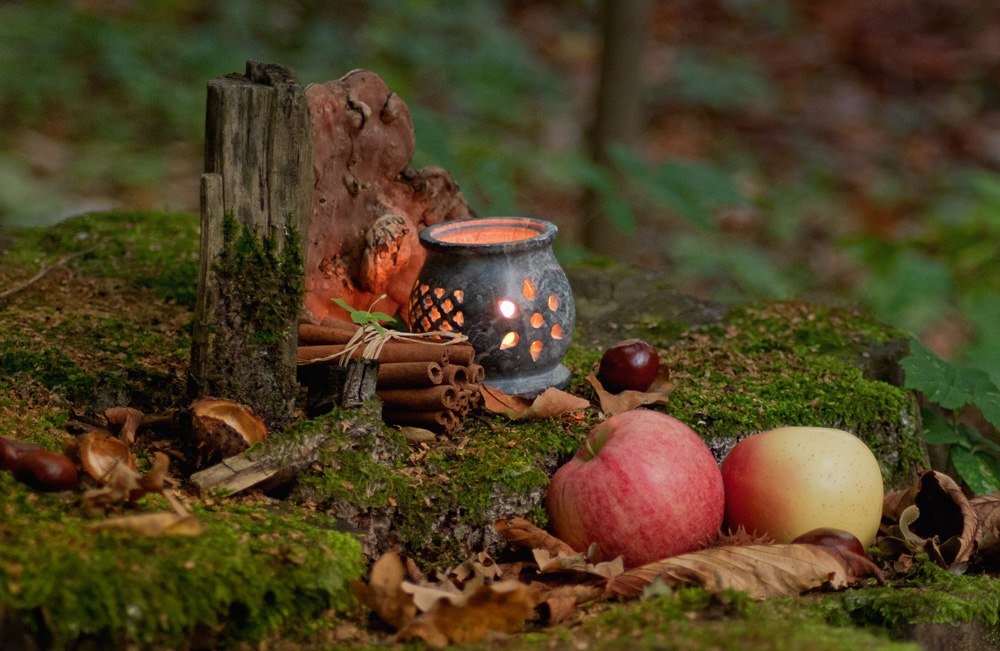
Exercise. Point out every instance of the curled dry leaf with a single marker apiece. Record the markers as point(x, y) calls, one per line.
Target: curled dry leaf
point(100, 454)
point(762, 571)
point(124, 421)
point(658, 393)
point(551, 403)
point(153, 525)
point(481, 566)
point(987, 508)
point(932, 516)
point(123, 484)
point(559, 604)
point(224, 428)
point(548, 562)
point(520, 532)
point(479, 612)
point(384, 594)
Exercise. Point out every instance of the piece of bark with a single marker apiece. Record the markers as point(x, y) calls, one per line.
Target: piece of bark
point(368, 205)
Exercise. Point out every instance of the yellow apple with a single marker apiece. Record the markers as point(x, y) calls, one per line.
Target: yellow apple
point(790, 480)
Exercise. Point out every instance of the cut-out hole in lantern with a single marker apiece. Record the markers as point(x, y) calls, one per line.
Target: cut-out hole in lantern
point(447, 305)
point(445, 326)
point(509, 340)
point(529, 289)
point(439, 291)
point(459, 295)
point(428, 301)
point(426, 323)
point(459, 318)
point(557, 331)
point(507, 308)
point(434, 313)
point(537, 320)
point(553, 302)
point(423, 289)
point(536, 350)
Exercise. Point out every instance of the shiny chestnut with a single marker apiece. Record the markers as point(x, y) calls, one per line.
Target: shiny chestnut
point(46, 471)
point(628, 365)
point(833, 539)
point(11, 450)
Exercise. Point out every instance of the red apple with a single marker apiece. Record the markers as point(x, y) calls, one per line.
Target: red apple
point(642, 486)
point(790, 480)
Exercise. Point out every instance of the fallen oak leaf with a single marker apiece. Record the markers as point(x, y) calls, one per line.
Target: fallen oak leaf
point(383, 594)
point(762, 571)
point(482, 611)
point(658, 393)
point(518, 531)
point(153, 525)
point(550, 403)
point(548, 563)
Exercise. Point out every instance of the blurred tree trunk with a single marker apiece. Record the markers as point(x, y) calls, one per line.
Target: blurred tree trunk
point(619, 118)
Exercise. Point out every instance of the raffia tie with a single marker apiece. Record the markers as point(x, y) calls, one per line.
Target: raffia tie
point(371, 341)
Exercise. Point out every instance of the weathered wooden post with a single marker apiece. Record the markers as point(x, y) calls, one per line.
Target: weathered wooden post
point(256, 203)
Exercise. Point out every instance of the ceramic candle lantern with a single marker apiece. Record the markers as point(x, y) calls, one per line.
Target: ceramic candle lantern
point(496, 280)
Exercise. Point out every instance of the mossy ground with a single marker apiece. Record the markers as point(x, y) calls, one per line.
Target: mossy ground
point(113, 327)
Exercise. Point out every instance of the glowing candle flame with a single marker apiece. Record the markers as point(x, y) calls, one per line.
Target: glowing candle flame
point(507, 308)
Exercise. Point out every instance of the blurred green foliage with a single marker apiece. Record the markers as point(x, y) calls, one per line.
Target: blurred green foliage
point(121, 85)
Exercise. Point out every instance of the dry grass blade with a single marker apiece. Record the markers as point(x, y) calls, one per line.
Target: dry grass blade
point(520, 532)
point(165, 523)
point(762, 571)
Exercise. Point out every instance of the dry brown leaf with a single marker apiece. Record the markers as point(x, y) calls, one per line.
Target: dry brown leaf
point(383, 593)
point(101, 453)
point(550, 403)
point(481, 566)
point(559, 604)
point(943, 523)
point(480, 612)
point(164, 523)
point(548, 562)
point(987, 508)
point(520, 532)
point(762, 571)
point(658, 393)
point(124, 421)
point(123, 483)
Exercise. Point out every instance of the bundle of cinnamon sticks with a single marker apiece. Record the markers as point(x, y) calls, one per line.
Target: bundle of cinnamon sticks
point(422, 384)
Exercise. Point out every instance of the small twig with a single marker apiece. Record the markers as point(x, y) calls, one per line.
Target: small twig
point(7, 293)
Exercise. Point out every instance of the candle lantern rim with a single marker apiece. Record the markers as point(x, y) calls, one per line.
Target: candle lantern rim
point(489, 235)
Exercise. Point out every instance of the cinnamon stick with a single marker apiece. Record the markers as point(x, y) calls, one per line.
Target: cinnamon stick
point(475, 371)
point(391, 353)
point(432, 398)
point(461, 354)
point(401, 375)
point(441, 420)
point(331, 332)
point(455, 375)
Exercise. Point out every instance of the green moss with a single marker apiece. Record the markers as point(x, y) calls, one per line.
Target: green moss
point(254, 570)
point(694, 619)
point(791, 364)
point(151, 250)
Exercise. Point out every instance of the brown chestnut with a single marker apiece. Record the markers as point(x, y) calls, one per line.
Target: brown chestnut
point(46, 471)
point(631, 364)
point(11, 450)
point(832, 538)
